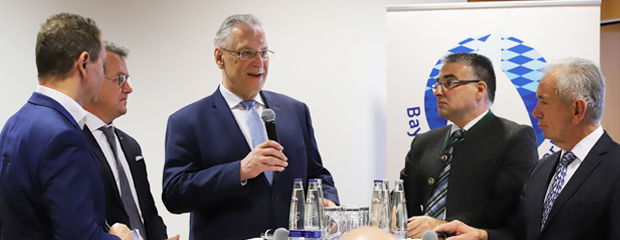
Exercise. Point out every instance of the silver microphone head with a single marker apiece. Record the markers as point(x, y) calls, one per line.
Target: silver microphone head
point(268, 115)
point(429, 235)
point(280, 234)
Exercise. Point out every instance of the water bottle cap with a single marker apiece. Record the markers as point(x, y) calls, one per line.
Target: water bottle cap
point(298, 180)
point(312, 180)
point(378, 180)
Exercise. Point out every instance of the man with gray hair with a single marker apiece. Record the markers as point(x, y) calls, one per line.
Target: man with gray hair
point(474, 169)
point(119, 156)
point(220, 165)
point(573, 193)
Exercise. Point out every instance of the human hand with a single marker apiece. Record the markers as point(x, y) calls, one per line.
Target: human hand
point(460, 231)
point(177, 237)
point(266, 156)
point(328, 203)
point(418, 225)
point(122, 231)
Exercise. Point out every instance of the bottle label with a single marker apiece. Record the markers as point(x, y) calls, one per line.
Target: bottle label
point(296, 233)
point(313, 234)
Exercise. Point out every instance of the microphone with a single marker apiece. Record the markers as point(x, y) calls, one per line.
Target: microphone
point(432, 235)
point(269, 117)
point(278, 234)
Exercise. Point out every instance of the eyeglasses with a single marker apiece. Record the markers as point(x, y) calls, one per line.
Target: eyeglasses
point(450, 84)
point(119, 79)
point(249, 55)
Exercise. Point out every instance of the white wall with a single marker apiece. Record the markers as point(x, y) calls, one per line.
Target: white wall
point(329, 54)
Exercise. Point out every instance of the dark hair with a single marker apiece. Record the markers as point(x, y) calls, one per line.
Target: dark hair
point(61, 40)
point(482, 66)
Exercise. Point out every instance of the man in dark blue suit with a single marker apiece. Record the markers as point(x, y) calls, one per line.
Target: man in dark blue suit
point(122, 167)
point(219, 165)
point(573, 193)
point(49, 183)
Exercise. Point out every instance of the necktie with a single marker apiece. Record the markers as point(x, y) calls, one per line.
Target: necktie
point(436, 206)
point(556, 187)
point(128, 203)
point(256, 129)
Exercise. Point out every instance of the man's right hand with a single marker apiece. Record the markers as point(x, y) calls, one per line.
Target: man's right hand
point(122, 231)
point(460, 231)
point(267, 156)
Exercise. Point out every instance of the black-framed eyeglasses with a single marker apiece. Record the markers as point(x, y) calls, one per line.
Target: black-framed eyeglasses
point(249, 54)
point(450, 84)
point(119, 79)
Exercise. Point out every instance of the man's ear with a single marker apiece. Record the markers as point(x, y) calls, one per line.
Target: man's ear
point(219, 58)
point(481, 89)
point(82, 62)
point(579, 107)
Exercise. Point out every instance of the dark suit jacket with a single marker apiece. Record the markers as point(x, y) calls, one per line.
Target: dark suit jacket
point(115, 212)
point(49, 182)
point(488, 171)
point(204, 147)
point(588, 206)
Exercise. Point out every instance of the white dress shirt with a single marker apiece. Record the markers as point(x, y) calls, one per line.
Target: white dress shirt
point(94, 123)
point(77, 112)
point(234, 103)
point(580, 151)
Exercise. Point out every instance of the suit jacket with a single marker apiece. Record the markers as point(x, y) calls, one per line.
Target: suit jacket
point(49, 182)
point(489, 168)
point(204, 147)
point(115, 212)
point(588, 206)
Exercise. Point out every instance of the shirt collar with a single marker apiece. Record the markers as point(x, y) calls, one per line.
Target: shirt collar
point(233, 100)
point(470, 123)
point(94, 123)
point(77, 112)
point(583, 147)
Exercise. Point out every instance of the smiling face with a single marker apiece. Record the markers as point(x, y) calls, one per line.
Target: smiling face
point(554, 117)
point(245, 78)
point(112, 100)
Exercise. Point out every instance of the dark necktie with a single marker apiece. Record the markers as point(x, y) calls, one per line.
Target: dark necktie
point(436, 206)
point(128, 203)
point(256, 129)
point(556, 187)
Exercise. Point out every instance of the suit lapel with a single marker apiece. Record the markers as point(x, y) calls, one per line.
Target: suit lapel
point(102, 162)
point(592, 160)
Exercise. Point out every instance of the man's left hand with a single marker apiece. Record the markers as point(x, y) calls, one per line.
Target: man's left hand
point(418, 225)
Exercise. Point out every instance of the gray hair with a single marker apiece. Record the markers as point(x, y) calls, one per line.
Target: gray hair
point(579, 78)
point(223, 33)
point(116, 49)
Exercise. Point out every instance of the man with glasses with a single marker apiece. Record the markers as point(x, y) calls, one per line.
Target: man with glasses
point(50, 186)
point(572, 194)
point(220, 165)
point(121, 164)
point(473, 169)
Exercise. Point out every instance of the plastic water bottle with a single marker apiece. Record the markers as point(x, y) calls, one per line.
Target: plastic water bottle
point(321, 203)
point(399, 210)
point(296, 213)
point(312, 219)
point(386, 201)
point(378, 211)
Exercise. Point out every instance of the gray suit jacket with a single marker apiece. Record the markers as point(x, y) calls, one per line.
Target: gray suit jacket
point(488, 171)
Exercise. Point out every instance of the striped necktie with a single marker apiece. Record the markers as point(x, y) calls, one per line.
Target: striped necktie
point(436, 206)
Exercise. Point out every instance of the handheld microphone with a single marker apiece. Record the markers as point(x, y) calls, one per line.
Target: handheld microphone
point(432, 235)
point(269, 117)
point(278, 234)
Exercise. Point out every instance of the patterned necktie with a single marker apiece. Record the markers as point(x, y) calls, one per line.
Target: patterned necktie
point(436, 206)
point(256, 129)
point(556, 187)
point(128, 202)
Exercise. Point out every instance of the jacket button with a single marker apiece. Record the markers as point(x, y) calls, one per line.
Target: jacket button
point(421, 208)
point(444, 158)
point(430, 181)
point(276, 198)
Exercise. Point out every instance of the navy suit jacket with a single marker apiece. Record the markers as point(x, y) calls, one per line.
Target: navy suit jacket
point(204, 147)
point(588, 206)
point(115, 211)
point(49, 182)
